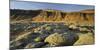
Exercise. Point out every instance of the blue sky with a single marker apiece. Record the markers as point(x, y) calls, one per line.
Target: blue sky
point(35, 5)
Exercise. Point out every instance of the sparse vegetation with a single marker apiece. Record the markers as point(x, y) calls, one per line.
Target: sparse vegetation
point(37, 39)
point(47, 28)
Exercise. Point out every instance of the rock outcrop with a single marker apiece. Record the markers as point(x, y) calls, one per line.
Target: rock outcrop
point(85, 17)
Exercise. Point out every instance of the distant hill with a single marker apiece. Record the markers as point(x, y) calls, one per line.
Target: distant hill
point(81, 17)
point(88, 11)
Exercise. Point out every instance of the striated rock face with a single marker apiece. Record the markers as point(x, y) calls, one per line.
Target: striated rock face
point(81, 18)
point(85, 17)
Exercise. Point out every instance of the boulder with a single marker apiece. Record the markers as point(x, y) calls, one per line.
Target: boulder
point(48, 28)
point(73, 26)
point(85, 39)
point(61, 39)
point(84, 29)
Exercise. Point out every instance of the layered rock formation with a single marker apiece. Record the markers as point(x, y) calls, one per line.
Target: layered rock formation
point(84, 17)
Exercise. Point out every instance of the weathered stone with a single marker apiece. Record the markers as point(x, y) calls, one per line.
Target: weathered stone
point(85, 39)
point(48, 28)
point(84, 29)
point(35, 45)
point(61, 39)
point(73, 26)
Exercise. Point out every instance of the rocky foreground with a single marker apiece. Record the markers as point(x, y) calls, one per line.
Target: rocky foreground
point(39, 35)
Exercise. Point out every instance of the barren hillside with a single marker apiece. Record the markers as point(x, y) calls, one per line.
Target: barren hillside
point(81, 17)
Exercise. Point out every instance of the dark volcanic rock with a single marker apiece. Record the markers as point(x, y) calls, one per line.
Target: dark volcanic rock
point(35, 45)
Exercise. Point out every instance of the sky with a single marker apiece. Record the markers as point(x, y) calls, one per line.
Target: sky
point(27, 5)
